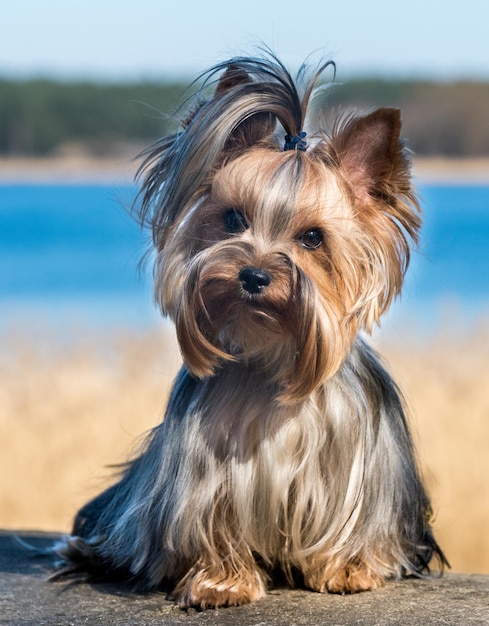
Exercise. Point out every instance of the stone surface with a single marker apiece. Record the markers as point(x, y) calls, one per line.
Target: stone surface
point(27, 598)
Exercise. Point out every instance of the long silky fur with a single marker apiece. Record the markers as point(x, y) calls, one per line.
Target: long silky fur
point(320, 483)
point(285, 442)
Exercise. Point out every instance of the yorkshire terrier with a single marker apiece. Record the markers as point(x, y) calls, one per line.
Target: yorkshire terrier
point(285, 445)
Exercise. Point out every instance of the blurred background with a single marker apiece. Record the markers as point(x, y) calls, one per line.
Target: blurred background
point(85, 360)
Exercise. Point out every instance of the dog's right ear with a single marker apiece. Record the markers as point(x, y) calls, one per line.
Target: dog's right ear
point(234, 75)
point(253, 128)
point(230, 89)
point(233, 93)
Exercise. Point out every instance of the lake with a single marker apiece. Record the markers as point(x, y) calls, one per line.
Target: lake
point(72, 252)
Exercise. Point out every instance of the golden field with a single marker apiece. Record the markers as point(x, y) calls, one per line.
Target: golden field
point(69, 408)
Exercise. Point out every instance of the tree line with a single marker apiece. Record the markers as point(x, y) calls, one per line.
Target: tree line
point(439, 118)
point(42, 117)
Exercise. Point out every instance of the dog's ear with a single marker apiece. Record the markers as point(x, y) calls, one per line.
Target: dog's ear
point(253, 128)
point(234, 75)
point(370, 153)
point(230, 88)
point(370, 156)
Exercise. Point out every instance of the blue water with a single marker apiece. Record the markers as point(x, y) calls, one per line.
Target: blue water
point(73, 251)
point(448, 279)
point(455, 242)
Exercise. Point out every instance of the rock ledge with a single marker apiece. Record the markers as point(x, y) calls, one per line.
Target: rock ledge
point(26, 598)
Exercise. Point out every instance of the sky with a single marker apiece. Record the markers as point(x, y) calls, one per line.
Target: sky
point(154, 39)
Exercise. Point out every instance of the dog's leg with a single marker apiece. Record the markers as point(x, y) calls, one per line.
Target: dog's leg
point(351, 577)
point(225, 583)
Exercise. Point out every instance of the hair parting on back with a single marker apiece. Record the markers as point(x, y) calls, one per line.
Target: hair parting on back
point(251, 97)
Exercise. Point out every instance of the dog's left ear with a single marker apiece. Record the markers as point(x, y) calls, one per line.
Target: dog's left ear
point(370, 153)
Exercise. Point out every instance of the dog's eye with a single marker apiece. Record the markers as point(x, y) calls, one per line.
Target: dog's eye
point(311, 239)
point(234, 221)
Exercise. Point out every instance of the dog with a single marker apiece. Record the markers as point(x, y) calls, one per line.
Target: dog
point(285, 445)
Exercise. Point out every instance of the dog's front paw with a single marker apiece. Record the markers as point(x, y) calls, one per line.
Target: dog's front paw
point(351, 578)
point(206, 589)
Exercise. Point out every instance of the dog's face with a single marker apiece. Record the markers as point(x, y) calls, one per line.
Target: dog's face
point(280, 258)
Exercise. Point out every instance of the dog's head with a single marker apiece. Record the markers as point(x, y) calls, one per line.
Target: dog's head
point(272, 254)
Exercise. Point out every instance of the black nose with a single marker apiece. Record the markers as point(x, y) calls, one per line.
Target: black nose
point(254, 280)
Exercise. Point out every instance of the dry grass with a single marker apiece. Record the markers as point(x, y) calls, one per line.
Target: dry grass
point(67, 411)
point(446, 382)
